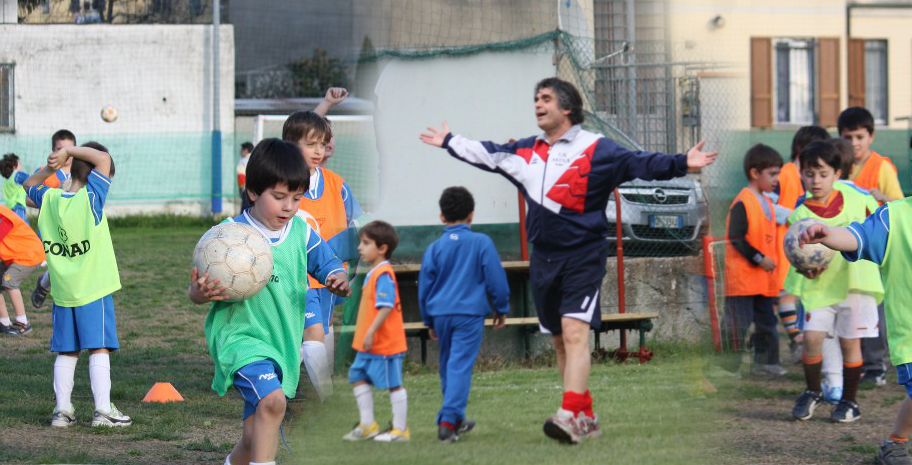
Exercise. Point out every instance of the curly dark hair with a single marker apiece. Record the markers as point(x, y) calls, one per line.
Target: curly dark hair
point(456, 204)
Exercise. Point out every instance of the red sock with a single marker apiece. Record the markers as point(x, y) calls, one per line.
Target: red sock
point(587, 408)
point(577, 403)
point(448, 425)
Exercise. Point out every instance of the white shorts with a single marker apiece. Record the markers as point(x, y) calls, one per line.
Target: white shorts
point(853, 318)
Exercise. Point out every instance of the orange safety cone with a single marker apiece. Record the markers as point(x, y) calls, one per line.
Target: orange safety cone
point(163, 393)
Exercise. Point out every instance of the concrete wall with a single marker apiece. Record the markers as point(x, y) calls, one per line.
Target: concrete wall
point(158, 77)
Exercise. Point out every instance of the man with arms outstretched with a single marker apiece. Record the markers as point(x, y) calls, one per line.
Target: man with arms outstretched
point(566, 176)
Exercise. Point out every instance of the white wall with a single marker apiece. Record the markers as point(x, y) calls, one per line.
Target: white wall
point(158, 77)
point(484, 97)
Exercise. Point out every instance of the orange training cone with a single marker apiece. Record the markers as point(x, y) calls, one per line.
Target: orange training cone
point(163, 392)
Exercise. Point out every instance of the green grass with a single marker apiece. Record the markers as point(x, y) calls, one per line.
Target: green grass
point(650, 413)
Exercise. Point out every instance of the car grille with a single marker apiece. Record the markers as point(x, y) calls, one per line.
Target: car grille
point(646, 232)
point(650, 199)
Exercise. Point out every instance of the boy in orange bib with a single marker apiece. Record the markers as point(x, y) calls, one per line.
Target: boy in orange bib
point(379, 338)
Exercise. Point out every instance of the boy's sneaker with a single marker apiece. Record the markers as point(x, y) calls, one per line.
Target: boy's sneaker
point(39, 294)
point(445, 434)
point(874, 378)
point(8, 330)
point(112, 418)
point(846, 411)
point(23, 328)
point(63, 419)
point(893, 453)
point(761, 369)
point(831, 394)
point(806, 404)
point(393, 435)
point(362, 433)
point(464, 427)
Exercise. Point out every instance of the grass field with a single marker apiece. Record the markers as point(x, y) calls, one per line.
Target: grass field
point(650, 413)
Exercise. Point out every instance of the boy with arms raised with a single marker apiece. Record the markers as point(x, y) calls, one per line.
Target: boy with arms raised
point(329, 206)
point(61, 177)
point(81, 262)
point(379, 338)
point(751, 282)
point(840, 300)
point(254, 343)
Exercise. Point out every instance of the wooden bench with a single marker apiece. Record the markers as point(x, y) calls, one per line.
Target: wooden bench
point(641, 322)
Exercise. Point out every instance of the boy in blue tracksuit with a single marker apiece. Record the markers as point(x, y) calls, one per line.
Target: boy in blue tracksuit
point(458, 274)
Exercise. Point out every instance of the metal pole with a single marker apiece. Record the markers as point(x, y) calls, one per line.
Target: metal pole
point(622, 299)
point(216, 101)
point(631, 71)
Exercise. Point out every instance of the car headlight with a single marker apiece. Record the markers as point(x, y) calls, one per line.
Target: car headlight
point(698, 190)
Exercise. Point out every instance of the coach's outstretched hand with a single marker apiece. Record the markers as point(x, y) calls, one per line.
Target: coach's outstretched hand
point(338, 284)
point(698, 159)
point(436, 137)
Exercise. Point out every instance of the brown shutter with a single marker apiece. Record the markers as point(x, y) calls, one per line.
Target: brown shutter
point(856, 72)
point(828, 81)
point(761, 82)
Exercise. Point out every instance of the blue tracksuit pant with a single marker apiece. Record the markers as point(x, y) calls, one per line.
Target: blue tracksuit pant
point(460, 340)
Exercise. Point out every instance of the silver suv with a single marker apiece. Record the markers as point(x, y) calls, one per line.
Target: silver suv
point(660, 217)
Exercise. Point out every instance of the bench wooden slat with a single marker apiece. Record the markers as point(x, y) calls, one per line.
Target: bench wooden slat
point(508, 266)
point(615, 317)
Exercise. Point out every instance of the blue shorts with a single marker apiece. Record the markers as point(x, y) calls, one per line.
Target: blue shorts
point(905, 377)
point(255, 381)
point(383, 371)
point(568, 288)
point(319, 307)
point(89, 326)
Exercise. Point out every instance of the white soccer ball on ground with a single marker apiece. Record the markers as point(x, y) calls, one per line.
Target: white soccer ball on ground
point(811, 257)
point(238, 256)
point(109, 113)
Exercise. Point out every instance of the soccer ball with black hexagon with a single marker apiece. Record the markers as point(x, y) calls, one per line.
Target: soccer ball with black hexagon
point(238, 255)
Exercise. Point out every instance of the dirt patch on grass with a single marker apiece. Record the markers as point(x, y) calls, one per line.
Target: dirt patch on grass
point(757, 425)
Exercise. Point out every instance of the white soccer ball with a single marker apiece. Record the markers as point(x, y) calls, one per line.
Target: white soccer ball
point(238, 255)
point(811, 257)
point(109, 113)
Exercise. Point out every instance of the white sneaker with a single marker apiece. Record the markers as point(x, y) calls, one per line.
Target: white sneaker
point(63, 418)
point(393, 435)
point(113, 418)
point(362, 433)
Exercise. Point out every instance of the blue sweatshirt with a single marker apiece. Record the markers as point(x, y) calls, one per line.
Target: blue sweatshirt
point(458, 273)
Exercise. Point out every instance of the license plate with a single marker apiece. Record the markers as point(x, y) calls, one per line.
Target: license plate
point(666, 222)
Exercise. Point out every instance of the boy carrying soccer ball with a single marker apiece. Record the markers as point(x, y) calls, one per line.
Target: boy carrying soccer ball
point(254, 343)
